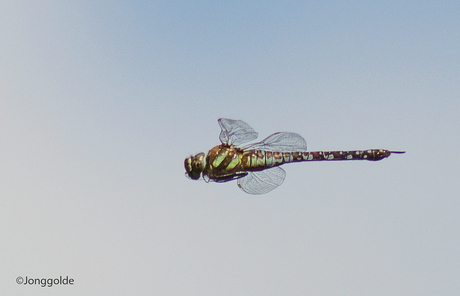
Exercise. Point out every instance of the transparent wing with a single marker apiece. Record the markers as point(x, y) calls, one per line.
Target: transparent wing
point(261, 182)
point(281, 142)
point(235, 132)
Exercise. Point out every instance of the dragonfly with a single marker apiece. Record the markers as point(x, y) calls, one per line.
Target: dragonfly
point(256, 167)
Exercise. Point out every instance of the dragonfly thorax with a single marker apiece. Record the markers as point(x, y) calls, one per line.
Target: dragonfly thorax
point(194, 165)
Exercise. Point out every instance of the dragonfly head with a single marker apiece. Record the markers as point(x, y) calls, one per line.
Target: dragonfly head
point(194, 166)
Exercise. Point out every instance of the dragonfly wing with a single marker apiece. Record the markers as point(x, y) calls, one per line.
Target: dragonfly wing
point(235, 132)
point(260, 182)
point(281, 142)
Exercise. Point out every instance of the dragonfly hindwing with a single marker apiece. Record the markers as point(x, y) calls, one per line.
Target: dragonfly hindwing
point(282, 142)
point(260, 182)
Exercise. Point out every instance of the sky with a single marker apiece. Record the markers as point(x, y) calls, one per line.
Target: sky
point(101, 102)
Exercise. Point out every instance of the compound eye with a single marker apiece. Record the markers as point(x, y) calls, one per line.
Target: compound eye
point(188, 164)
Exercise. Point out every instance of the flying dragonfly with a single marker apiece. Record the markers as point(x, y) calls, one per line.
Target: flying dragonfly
point(256, 167)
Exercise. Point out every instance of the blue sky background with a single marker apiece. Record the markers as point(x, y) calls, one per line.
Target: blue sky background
point(100, 102)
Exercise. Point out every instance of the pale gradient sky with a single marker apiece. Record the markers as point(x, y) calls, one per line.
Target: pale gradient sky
point(101, 101)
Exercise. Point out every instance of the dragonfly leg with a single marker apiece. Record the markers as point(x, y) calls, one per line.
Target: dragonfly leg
point(222, 179)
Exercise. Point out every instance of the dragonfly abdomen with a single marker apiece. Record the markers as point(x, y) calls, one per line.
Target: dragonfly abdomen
point(259, 159)
point(369, 154)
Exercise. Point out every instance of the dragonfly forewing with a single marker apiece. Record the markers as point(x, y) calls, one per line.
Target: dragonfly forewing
point(235, 132)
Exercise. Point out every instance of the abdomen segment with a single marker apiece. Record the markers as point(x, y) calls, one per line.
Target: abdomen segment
point(258, 159)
